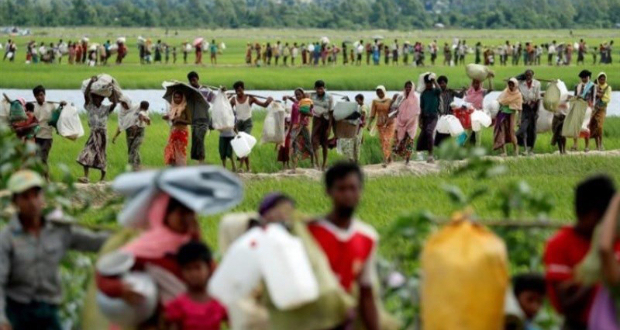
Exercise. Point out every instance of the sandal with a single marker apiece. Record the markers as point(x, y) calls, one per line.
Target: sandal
point(83, 180)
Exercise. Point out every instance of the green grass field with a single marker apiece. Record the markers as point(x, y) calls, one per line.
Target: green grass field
point(230, 67)
point(263, 157)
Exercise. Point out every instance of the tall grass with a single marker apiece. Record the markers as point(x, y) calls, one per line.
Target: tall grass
point(231, 63)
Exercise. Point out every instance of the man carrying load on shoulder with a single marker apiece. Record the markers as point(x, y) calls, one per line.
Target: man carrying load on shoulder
point(200, 118)
point(43, 112)
point(349, 244)
point(242, 104)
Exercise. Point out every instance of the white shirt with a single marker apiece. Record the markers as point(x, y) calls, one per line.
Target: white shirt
point(131, 117)
point(551, 49)
point(43, 113)
point(530, 93)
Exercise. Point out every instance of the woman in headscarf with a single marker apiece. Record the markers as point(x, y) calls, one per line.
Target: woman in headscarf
point(175, 152)
point(510, 101)
point(298, 133)
point(380, 110)
point(171, 225)
point(408, 107)
point(603, 97)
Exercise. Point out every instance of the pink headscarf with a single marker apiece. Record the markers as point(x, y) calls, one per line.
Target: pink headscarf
point(408, 111)
point(475, 97)
point(158, 240)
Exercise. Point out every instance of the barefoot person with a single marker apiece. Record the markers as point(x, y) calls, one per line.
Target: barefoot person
point(386, 125)
point(94, 154)
point(603, 97)
point(133, 119)
point(199, 117)
point(406, 122)
point(585, 90)
point(243, 109)
point(530, 90)
point(175, 153)
point(510, 102)
point(429, 105)
point(298, 132)
point(31, 249)
point(43, 113)
point(321, 121)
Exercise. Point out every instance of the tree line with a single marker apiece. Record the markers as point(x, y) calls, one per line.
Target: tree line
point(335, 14)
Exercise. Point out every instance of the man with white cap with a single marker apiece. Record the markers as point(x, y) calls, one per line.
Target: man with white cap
point(31, 248)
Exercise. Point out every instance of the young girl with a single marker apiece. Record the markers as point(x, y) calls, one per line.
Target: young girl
point(510, 102)
point(94, 153)
point(298, 132)
point(175, 152)
point(195, 310)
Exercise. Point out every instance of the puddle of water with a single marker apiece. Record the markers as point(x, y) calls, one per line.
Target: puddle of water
point(158, 104)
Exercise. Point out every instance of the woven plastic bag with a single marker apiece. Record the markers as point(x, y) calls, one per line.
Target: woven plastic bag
point(555, 94)
point(273, 127)
point(17, 112)
point(575, 118)
point(69, 124)
point(465, 278)
point(478, 72)
point(222, 115)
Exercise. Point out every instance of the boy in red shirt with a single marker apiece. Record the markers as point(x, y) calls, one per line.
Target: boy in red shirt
point(566, 249)
point(348, 243)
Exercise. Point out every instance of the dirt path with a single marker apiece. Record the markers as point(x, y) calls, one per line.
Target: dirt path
point(99, 191)
point(417, 168)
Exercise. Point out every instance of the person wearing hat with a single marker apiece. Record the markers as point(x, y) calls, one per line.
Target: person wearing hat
point(585, 90)
point(31, 249)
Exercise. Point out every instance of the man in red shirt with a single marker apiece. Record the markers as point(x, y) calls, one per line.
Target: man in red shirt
point(566, 249)
point(348, 243)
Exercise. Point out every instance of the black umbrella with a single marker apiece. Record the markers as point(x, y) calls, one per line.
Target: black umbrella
point(192, 95)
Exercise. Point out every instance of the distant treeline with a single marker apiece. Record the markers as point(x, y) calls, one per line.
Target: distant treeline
point(340, 14)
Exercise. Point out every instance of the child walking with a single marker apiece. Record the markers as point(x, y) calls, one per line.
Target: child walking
point(194, 309)
point(133, 120)
point(94, 153)
point(242, 104)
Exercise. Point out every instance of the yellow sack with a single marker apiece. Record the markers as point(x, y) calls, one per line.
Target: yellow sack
point(465, 277)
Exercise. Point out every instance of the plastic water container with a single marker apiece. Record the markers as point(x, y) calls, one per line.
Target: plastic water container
point(286, 269)
point(242, 144)
point(239, 273)
point(119, 312)
point(455, 128)
point(480, 119)
point(442, 125)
